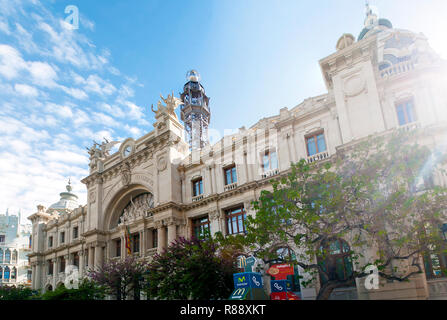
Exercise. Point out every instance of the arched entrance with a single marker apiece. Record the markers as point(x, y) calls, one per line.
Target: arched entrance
point(127, 204)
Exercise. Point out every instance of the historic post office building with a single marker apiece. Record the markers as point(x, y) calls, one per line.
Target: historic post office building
point(171, 182)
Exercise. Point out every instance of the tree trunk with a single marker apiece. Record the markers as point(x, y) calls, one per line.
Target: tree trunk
point(326, 291)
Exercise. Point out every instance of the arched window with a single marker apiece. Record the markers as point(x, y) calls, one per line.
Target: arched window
point(1, 273)
point(6, 274)
point(7, 256)
point(137, 206)
point(284, 254)
point(1, 255)
point(14, 256)
point(14, 273)
point(335, 260)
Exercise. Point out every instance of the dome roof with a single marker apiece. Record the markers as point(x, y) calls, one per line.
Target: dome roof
point(68, 200)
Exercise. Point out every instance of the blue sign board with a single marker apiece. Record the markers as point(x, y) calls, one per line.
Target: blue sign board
point(280, 285)
point(247, 280)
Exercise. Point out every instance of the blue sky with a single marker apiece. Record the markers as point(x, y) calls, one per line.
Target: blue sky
point(61, 88)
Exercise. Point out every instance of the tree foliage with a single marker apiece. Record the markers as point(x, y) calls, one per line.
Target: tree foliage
point(16, 293)
point(121, 278)
point(191, 269)
point(88, 290)
point(371, 195)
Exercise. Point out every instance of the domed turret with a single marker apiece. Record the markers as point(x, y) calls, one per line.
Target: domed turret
point(67, 202)
point(372, 23)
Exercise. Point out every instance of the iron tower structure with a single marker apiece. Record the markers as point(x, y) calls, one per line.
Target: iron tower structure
point(195, 111)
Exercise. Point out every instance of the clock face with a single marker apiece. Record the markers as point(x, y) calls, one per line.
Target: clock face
point(127, 151)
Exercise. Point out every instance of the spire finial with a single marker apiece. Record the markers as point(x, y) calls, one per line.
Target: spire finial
point(69, 188)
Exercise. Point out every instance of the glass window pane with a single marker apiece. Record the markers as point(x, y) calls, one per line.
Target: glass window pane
point(321, 143)
point(274, 161)
point(233, 219)
point(233, 172)
point(435, 264)
point(266, 163)
point(410, 112)
point(401, 115)
point(311, 147)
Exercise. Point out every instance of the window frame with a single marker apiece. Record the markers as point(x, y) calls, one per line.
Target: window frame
point(229, 222)
point(62, 237)
point(198, 223)
point(315, 136)
point(75, 232)
point(118, 247)
point(269, 153)
point(135, 239)
point(193, 183)
point(404, 104)
point(233, 174)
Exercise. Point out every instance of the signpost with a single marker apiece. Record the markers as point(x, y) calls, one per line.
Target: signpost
point(248, 286)
point(281, 271)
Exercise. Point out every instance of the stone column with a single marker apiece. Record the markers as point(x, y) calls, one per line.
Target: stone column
point(161, 236)
point(214, 222)
point(33, 278)
point(55, 272)
point(172, 231)
point(81, 263)
point(91, 257)
point(99, 257)
point(142, 243)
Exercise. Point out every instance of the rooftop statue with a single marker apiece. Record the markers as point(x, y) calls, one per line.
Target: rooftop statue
point(99, 152)
point(171, 104)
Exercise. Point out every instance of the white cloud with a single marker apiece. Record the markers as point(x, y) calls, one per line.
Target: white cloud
point(26, 90)
point(94, 83)
point(62, 111)
point(11, 62)
point(75, 92)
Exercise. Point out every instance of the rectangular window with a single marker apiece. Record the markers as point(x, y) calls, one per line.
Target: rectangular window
point(236, 220)
point(315, 144)
point(62, 265)
point(62, 237)
point(269, 161)
point(75, 232)
point(118, 248)
point(2, 238)
point(136, 242)
point(201, 227)
point(76, 259)
point(405, 112)
point(230, 175)
point(197, 187)
point(154, 238)
point(50, 242)
point(50, 267)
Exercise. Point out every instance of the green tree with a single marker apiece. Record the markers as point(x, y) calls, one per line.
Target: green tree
point(368, 198)
point(191, 269)
point(121, 278)
point(16, 293)
point(88, 290)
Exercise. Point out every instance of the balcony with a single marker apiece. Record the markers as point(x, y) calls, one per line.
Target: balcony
point(409, 127)
point(231, 186)
point(397, 69)
point(197, 198)
point(318, 157)
point(270, 173)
